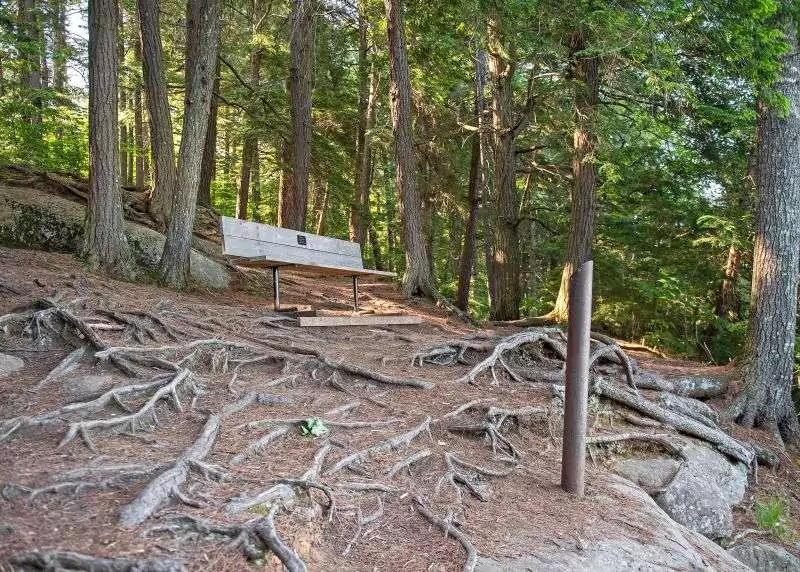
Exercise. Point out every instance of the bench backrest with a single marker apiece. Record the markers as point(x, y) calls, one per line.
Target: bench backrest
point(251, 239)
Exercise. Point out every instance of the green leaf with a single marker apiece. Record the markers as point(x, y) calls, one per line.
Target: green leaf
point(313, 427)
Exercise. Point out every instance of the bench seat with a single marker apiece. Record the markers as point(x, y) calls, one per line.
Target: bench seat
point(322, 269)
point(257, 245)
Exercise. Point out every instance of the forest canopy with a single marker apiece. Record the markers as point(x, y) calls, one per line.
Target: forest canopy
point(539, 133)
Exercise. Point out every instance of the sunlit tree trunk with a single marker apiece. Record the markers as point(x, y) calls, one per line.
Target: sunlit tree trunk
point(768, 360)
point(475, 189)
point(728, 304)
point(417, 278)
point(209, 168)
point(294, 197)
point(30, 35)
point(250, 146)
point(504, 269)
point(204, 18)
point(60, 47)
point(367, 106)
point(104, 247)
point(584, 70)
point(138, 120)
point(161, 143)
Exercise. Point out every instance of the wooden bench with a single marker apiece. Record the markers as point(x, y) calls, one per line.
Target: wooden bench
point(258, 245)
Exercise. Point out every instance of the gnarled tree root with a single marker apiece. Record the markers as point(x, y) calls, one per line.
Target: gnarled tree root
point(45, 560)
point(168, 483)
point(449, 530)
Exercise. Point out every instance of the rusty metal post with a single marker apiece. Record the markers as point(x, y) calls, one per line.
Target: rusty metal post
point(573, 459)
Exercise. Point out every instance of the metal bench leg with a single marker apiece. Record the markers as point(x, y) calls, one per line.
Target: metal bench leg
point(276, 288)
point(355, 293)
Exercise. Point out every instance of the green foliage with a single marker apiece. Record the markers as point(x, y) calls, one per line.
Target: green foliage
point(772, 514)
point(313, 427)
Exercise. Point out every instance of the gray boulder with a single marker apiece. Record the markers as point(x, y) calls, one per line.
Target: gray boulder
point(30, 218)
point(650, 541)
point(708, 464)
point(87, 387)
point(698, 504)
point(765, 557)
point(10, 365)
point(650, 474)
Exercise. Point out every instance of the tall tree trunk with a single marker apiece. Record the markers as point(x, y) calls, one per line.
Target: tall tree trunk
point(474, 190)
point(243, 196)
point(209, 168)
point(255, 184)
point(584, 70)
point(250, 146)
point(768, 377)
point(161, 144)
point(104, 247)
point(417, 278)
point(322, 208)
point(60, 47)
point(123, 136)
point(138, 121)
point(203, 19)
point(728, 304)
point(294, 197)
point(367, 106)
point(31, 32)
point(131, 151)
point(505, 240)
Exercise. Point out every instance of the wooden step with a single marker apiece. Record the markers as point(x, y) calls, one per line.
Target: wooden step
point(369, 320)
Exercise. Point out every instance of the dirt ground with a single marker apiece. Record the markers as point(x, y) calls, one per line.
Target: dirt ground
point(520, 510)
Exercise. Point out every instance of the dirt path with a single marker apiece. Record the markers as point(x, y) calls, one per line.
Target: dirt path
point(255, 374)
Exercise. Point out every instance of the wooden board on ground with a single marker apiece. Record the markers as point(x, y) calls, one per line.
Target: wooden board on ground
point(371, 320)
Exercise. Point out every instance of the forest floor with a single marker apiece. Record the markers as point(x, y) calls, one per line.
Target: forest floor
point(261, 377)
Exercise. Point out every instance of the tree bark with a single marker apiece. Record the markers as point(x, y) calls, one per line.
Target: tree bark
point(243, 196)
point(505, 244)
point(204, 20)
point(209, 168)
point(60, 47)
point(250, 146)
point(30, 56)
point(475, 189)
point(417, 278)
point(584, 70)
point(104, 247)
point(367, 105)
point(161, 143)
point(765, 399)
point(294, 197)
point(728, 305)
point(138, 120)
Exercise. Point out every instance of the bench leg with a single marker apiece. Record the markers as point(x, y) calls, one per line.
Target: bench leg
point(276, 288)
point(355, 293)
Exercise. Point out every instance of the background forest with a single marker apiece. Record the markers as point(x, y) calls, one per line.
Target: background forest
point(648, 106)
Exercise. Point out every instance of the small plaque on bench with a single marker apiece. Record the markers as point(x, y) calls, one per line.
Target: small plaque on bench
point(301, 239)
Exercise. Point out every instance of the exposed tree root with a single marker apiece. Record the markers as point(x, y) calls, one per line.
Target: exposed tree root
point(510, 343)
point(282, 493)
point(450, 353)
point(665, 440)
point(467, 406)
point(93, 478)
point(722, 441)
point(47, 561)
point(689, 407)
point(259, 445)
point(449, 530)
point(390, 444)
point(363, 521)
point(133, 420)
point(252, 538)
point(456, 478)
point(609, 349)
point(407, 462)
point(65, 366)
point(168, 483)
point(351, 369)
